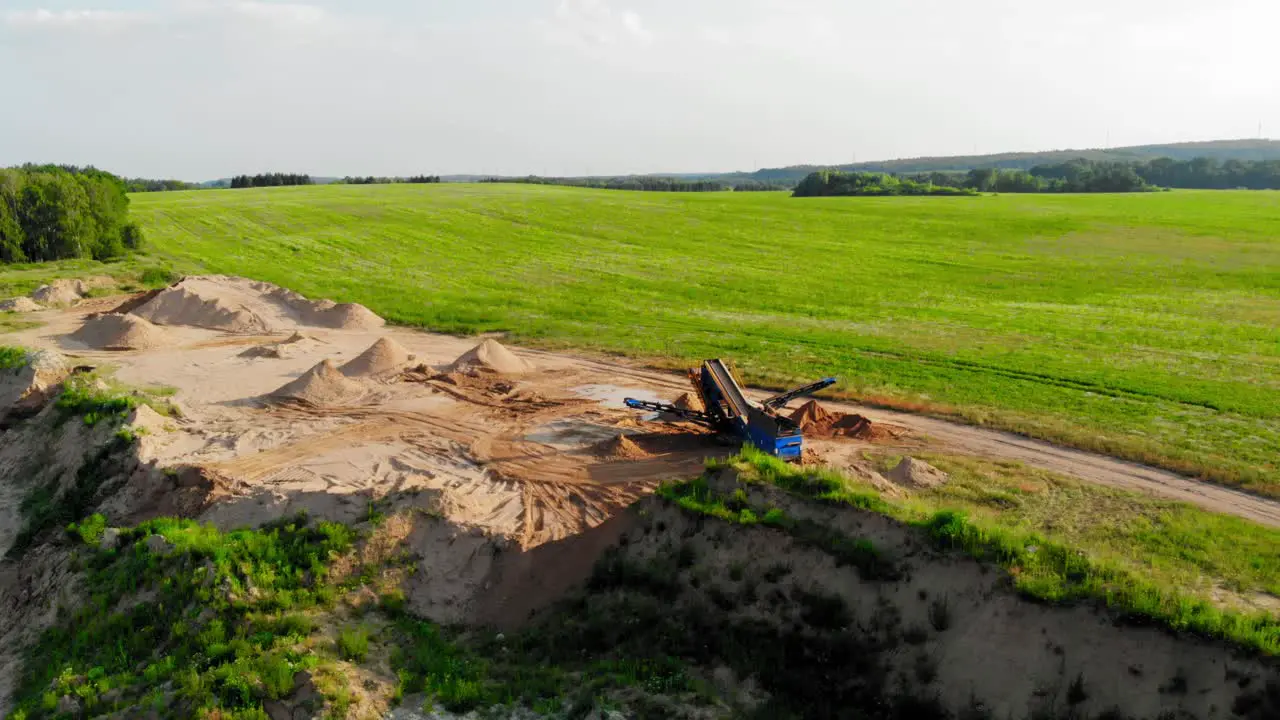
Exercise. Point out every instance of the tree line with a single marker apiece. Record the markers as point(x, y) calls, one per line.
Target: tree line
point(829, 183)
point(371, 180)
point(51, 212)
point(645, 183)
point(136, 185)
point(1075, 176)
point(269, 180)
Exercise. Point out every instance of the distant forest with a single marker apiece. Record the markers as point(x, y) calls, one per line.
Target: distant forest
point(1220, 151)
point(644, 183)
point(144, 185)
point(269, 180)
point(371, 180)
point(51, 212)
point(1075, 176)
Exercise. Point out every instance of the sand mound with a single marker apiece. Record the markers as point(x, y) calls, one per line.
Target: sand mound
point(321, 385)
point(917, 474)
point(241, 306)
point(120, 332)
point(59, 292)
point(28, 387)
point(20, 304)
point(346, 316)
point(816, 421)
point(180, 305)
point(278, 351)
point(384, 356)
point(689, 401)
point(491, 356)
point(620, 447)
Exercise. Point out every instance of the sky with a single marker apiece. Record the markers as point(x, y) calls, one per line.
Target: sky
point(204, 89)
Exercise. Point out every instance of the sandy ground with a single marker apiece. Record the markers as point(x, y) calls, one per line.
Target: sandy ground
point(519, 454)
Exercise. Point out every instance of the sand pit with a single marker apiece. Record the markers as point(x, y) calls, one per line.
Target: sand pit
point(59, 292)
point(321, 385)
point(120, 332)
point(244, 307)
point(20, 304)
point(816, 421)
point(384, 356)
point(491, 356)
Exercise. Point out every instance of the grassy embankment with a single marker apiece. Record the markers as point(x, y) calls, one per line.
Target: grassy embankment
point(1062, 541)
point(1143, 326)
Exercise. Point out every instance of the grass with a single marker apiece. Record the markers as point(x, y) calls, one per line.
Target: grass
point(1082, 565)
point(212, 624)
point(131, 273)
point(1143, 326)
point(12, 358)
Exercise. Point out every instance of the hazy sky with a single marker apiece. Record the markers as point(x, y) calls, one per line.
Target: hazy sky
point(200, 89)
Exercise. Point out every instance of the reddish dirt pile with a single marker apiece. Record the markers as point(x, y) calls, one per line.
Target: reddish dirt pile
point(816, 421)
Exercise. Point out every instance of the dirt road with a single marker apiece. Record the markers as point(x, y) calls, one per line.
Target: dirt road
point(994, 444)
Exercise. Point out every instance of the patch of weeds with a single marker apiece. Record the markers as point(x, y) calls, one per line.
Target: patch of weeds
point(353, 644)
point(696, 496)
point(776, 572)
point(426, 662)
point(1177, 684)
point(12, 357)
point(82, 395)
point(90, 530)
point(822, 610)
point(158, 277)
point(736, 571)
point(208, 627)
point(926, 668)
point(1076, 693)
point(940, 614)
point(43, 507)
point(915, 635)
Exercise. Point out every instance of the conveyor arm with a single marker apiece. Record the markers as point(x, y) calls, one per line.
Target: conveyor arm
point(780, 400)
point(683, 413)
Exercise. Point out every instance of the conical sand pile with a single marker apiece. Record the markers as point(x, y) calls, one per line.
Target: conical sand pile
point(491, 356)
point(59, 292)
point(689, 401)
point(384, 356)
point(120, 332)
point(321, 385)
point(346, 316)
point(621, 447)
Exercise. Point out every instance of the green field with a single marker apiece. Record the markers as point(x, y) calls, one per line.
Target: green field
point(1146, 326)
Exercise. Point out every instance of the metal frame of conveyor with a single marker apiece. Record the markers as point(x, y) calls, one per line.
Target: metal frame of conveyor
point(730, 412)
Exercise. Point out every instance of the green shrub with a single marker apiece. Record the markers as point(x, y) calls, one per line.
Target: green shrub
point(353, 644)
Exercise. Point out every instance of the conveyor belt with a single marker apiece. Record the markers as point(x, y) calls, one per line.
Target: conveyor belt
point(729, 387)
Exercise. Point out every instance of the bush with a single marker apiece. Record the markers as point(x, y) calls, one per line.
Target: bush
point(353, 644)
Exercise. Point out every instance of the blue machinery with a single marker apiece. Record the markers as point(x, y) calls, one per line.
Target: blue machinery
point(729, 411)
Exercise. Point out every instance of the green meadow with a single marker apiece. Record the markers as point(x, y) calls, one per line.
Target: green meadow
point(1145, 326)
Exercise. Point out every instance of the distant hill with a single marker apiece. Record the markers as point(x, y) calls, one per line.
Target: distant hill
point(1218, 149)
